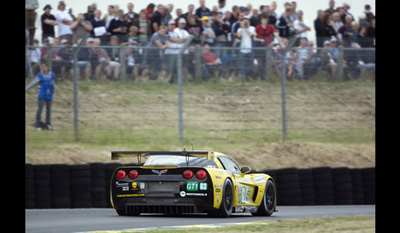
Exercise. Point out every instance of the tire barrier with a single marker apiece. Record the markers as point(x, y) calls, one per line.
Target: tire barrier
point(88, 185)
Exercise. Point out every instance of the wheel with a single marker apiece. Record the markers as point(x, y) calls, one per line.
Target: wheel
point(226, 207)
point(268, 202)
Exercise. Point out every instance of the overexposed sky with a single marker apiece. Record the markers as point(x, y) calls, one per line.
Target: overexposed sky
point(309, 7)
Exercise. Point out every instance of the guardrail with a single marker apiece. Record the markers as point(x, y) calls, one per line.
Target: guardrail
point(88, 185)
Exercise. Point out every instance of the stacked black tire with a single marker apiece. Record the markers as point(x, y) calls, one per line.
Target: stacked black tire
point(42, 186)
point(288, 187)
point(81, 178)
point(99, 192)
point(323, 185)
point(368, 175)
point(307, 187)
point(29, 187)
point(342, 186)
point(357, 183)
point(60, 186)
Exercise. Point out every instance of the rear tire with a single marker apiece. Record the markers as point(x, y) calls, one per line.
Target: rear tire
point(268, 202)
point(226, 207)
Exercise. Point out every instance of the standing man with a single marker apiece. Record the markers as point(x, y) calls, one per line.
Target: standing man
point(202, 10)
point(81, 28)
point(64, 21)
point(130, 16)
point(301, 27)
point(30, 18)
point(48, 22)
point(156, 18)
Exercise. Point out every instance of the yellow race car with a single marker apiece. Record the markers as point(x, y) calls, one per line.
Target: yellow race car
point(183, 182)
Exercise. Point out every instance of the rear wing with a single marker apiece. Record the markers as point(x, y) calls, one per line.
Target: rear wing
point(115, 155)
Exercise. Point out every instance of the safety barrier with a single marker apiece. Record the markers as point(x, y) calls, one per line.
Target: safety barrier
point(88, 185)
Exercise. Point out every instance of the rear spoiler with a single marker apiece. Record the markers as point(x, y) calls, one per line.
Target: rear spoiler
point(115, 155)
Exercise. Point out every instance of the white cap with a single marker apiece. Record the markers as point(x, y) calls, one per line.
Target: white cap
point(171, 21)
point(182, 20)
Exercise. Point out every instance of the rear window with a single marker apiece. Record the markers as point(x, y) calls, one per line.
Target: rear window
point(179, 161)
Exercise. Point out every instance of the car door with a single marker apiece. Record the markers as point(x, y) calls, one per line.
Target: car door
point(243, 186)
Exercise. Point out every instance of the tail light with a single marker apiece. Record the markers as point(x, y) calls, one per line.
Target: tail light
point(187, 174)
point(133, 174)
point(201, 174)
point(121, 174)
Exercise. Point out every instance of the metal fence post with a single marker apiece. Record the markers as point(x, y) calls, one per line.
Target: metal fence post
point(76, 107)
point(180, 94)
point(340, 63)
point(122, 61)
point(283, 86)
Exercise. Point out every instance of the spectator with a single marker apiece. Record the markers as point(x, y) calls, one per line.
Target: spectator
point(118, 26)
point(89, 15)
point(183, 36)
point(113, 54)
point(99, 27)
point(371, 32)
point(331, 8)
point(194, 28)
point(346, 8)
point(328, 60)
point(221, 8)
point(156, 19)
point(235, 13)
point(34, 56)
point(327, 31)
point(284, 24)
point(273, 9)
point(45, 79)
point(93, 58)
point(208, 35)
point(66, 59)
point(144, 28)
point(202, 10)
point(171, 52)
point(265, 31)
point(130, 16)
point(167, 14)
point(368, 13)
point(103, 69)
point(158, 43)
point(254, 19)
point(55, 59)
point(293, 6)
point(304, 54)
point(336, 22)
point(221, 30)
point(149, 10)
point(110, 15)
point(190, 12)
point(30, 16)
point(246, 56)
point(347, 32)
point(48, 22)
point(178, 15)
point(211, 63)
point(318, 28)
point(300, 26)
point(132, 37)
point(80, 28)
point(64, 19)
point(235, 28)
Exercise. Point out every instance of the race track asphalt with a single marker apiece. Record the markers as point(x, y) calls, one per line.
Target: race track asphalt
point(85, 220)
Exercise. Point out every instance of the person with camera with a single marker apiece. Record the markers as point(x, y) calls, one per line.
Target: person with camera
point(247, 34)
point(80, 28)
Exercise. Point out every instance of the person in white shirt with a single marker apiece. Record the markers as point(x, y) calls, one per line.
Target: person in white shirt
point(300, 26)
point(183, 36)
point(64, 21)
point(246, 56)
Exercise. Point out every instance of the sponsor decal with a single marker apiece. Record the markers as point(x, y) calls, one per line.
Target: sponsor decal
point(134, 185)
point(259, 179)
point(159, 172)
point(125, 188)
point(142, 185)
point(182, 193)
point(121, 184)
point(218, 177)
point(197, 194)
point(192, 186)
point(243, 195)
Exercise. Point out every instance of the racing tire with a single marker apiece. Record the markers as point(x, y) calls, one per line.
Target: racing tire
point(268, 202)
point(226, 207)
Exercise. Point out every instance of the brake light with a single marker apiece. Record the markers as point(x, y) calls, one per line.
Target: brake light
point(187, 174)
point(121, 174)
point(201, 174)
point(133, 174)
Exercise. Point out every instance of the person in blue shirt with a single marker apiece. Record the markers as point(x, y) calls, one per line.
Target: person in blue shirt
point(45, 79)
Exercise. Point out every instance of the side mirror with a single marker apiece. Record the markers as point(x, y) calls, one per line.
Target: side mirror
point(245, 170)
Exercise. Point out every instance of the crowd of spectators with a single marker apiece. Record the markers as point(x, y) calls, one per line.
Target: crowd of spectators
point(152, 38)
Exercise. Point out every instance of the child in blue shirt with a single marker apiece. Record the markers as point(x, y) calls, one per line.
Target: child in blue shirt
point(45, 79)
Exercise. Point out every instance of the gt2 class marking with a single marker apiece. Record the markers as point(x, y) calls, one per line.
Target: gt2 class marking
point(189, 182)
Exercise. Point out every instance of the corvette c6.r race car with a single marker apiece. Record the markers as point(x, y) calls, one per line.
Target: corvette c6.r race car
point(183, 182)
